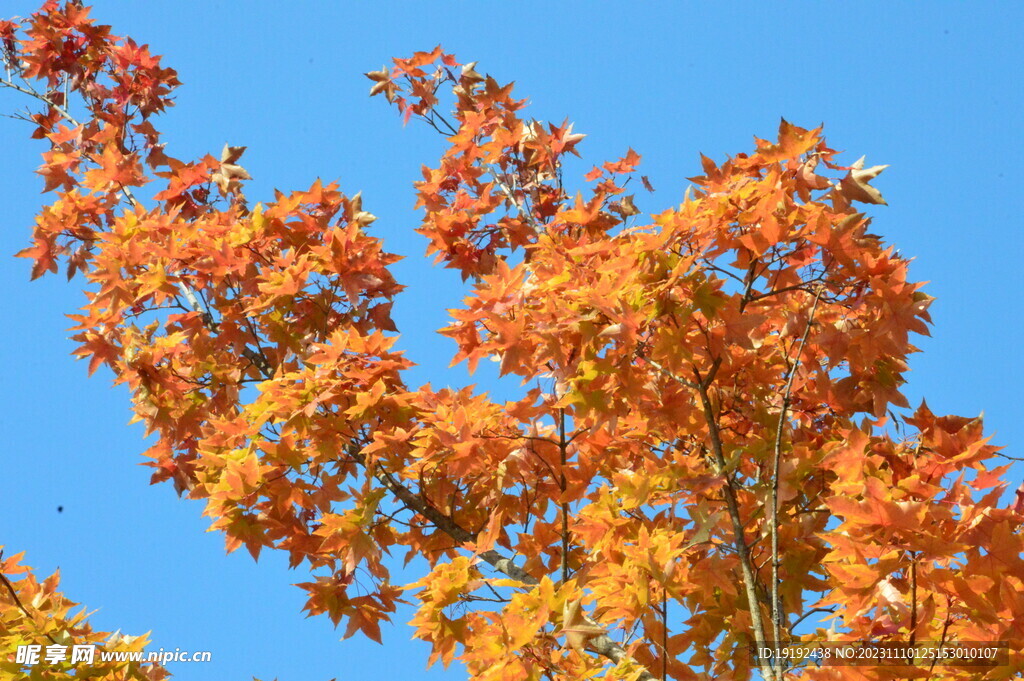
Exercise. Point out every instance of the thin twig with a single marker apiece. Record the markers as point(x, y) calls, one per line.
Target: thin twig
point(32, 92)
point(679, 379)
point(1007, 456)
point(913, 598)
point(813, 611)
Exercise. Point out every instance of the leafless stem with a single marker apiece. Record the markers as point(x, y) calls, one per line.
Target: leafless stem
point(664, 634)
point(32, 92)
point(913, 597)
point(942, 638)
point(814, 611)
point(739, 539)
point(777, 615)
point(1007, 456)
point(562, 447)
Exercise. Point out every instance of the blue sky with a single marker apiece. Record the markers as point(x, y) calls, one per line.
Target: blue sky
point(932, 89)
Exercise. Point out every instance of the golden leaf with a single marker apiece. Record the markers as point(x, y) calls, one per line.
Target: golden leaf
point(231, 154)
point(855, 185)
point(577, 627)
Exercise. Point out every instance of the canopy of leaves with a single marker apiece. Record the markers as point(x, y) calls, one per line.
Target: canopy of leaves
point(709, 447)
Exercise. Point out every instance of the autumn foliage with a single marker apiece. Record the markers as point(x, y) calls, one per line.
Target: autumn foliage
point(710, 450)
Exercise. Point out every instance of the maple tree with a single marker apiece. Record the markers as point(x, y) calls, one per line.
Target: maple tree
point(710, 448)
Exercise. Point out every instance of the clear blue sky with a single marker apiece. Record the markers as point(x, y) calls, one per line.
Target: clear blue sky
point(931, 88)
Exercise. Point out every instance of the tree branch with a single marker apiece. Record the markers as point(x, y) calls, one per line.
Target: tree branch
point(257, 358)
point(739, 540)
point(562, 485)
point(773, 522)
point(601, 644)
point(21, 606)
